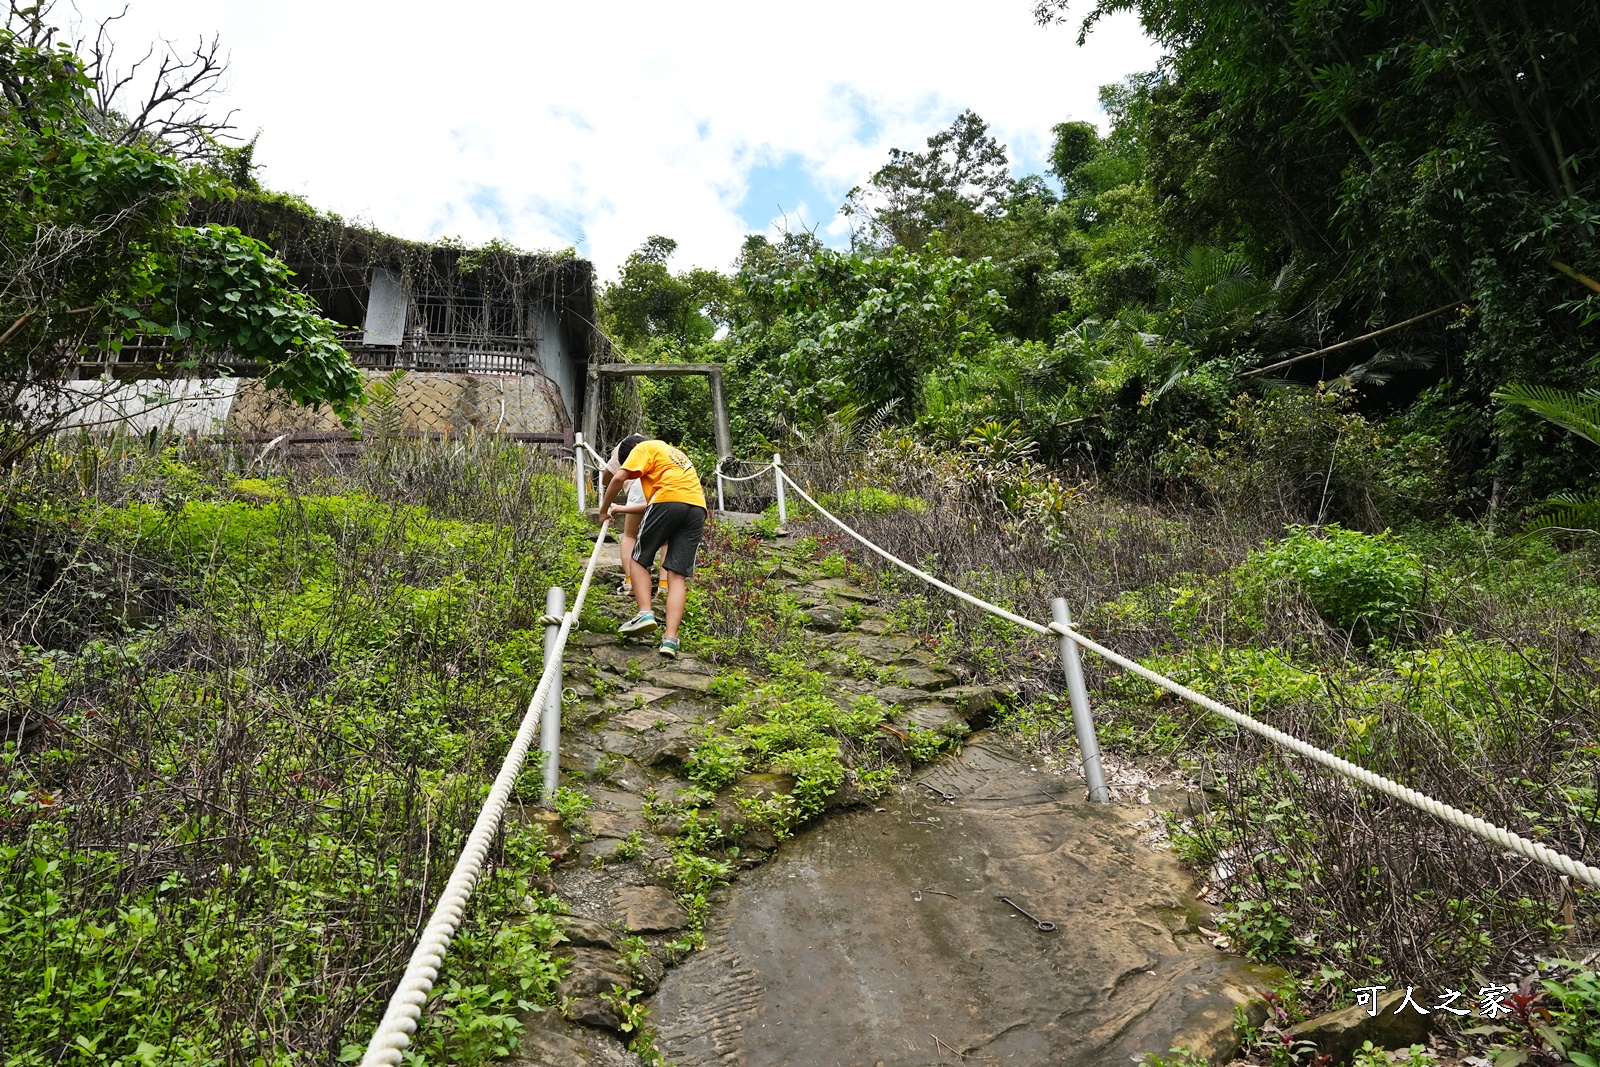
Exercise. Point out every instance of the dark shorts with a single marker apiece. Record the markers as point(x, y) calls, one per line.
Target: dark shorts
point(676, 525)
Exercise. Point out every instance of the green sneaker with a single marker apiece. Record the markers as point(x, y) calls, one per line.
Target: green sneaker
point(669, 647)
point(642, 623)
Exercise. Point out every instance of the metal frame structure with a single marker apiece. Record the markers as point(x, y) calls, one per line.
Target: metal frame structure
point(719, 407)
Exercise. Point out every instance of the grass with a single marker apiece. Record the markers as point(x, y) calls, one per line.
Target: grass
point(248, 722)
point(248, 716)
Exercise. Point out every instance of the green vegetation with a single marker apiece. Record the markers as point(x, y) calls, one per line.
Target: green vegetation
point(95, 250)
point(1356, 581)
point(1435, 653)
point(793, 726)
point(1285, 181)
point(248, 713)
point(248, 726)
point(1118, 383)
point(1580, 413)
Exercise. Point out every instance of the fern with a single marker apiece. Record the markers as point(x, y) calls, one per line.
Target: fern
point(1580, 413)
point(1217, 291)
point(384, 419)
point(1568, 513)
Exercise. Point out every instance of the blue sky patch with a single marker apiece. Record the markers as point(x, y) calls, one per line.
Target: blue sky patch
point(783, 187)
point(490, 203)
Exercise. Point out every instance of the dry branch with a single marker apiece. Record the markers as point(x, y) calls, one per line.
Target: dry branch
point(1353, 341)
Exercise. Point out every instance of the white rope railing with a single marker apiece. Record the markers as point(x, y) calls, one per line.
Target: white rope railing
point(775, 468)
point(1497, 835)
point(405, 1006)
point(768, 469)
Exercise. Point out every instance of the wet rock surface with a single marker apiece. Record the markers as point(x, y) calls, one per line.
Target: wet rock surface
point(880, 938)
point(650, 909)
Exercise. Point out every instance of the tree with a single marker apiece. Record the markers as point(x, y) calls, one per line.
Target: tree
point(651, 310)
point(663, 317)
point(863, 330)
point(963, 177)
point(1074, 144)
point(93, 253)
point(1405, 156)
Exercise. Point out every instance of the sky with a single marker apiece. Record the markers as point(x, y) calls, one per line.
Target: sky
point(598, 124)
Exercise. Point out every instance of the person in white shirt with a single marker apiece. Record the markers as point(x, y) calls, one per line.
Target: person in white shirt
point(632, 514)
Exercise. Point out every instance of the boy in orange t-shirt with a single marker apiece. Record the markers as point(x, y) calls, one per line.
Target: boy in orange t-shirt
point(676, 517)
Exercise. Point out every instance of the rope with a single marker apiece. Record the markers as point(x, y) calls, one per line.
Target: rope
point(597, 457)
point(1497, 835)
point(1506, 839)
point(405, 1006)
point(768, 469)
point(959, 594)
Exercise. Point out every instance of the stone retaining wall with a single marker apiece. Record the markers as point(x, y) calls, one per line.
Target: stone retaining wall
point(428, 403)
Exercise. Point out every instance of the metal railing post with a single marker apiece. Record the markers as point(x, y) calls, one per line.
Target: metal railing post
point(777, 475)
point(583, 482)
point(721, 503)
point(555, 606)
point(1078, 694)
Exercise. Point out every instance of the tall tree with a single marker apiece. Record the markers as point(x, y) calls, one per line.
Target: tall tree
point(962, 177)
point(1405, 155)
point(92, 252)
point(651, 309)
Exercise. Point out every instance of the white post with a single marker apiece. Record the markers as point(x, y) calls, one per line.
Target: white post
point(1078, 694)
point(555, 606)
point(722, 505)
point(777, 474)
point(583, 483)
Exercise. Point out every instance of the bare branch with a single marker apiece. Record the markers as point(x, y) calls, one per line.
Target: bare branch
point(163, 96)
point(1352, 341)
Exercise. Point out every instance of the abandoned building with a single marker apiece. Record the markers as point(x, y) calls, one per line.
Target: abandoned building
point(494, 338)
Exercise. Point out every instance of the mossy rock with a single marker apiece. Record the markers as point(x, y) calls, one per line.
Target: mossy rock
point(258, 491)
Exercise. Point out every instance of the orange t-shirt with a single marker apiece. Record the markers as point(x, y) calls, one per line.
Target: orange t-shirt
point(667, 474)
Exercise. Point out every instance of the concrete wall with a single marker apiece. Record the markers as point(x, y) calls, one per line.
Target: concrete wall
point(559, 364)
point(428, 403)
point(189, 405)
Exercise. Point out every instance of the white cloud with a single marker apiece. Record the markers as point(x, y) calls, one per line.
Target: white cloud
point(603, 123)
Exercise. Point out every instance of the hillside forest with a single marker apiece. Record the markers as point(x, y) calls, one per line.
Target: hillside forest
point(1287, 180)
point(1285, 374)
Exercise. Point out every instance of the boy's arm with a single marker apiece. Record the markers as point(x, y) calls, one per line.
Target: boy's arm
point(613, 487)
point(629, 509)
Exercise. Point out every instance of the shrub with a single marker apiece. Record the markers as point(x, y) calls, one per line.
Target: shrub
point(868, 500)
point(350, 660)
point(1364, 583)
point(1290, 457)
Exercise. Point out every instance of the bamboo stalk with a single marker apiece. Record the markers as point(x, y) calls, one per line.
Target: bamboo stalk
point(11, 331)
point(1352, 341)
point(1564, 269)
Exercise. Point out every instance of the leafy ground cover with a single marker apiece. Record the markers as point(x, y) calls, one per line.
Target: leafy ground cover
point(250, 716)
point(248, 722)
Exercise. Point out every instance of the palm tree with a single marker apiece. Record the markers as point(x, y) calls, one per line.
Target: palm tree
point(1577, 512)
